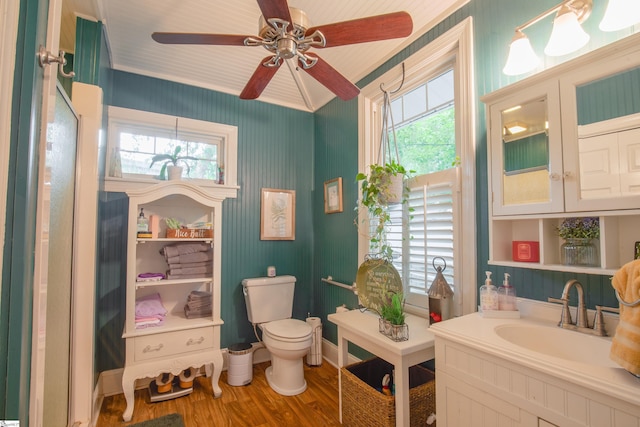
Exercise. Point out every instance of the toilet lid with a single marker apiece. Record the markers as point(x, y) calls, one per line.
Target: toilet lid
point(287, 328)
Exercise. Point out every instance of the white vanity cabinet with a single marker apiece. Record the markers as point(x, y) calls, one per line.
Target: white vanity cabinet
point(544, 167)
point(487, 391)
point(485, 381)
point(180, 342)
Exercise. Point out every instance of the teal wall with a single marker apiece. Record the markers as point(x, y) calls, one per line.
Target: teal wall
point(611, 97)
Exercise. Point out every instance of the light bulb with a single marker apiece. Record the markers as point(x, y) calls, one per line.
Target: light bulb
point(522, 58)
point(567, 35)
point(620, 14)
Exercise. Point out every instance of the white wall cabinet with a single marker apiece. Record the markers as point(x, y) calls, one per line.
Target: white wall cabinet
point(180, 342)
point(573, 171)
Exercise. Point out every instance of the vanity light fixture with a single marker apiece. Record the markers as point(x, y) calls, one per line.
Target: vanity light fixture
point(620, 14)
point(567, 36)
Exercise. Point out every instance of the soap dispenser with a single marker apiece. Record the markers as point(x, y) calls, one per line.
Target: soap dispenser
point(489, 295)
point(142, 223)
point(507, 295)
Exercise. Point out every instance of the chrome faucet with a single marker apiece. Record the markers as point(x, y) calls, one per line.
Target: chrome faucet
point(582, 322)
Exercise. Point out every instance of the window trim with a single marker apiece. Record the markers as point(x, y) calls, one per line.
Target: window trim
point(456, 44)
point(125, 117)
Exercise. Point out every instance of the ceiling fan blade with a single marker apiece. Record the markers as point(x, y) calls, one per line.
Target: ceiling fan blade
point(275, 9)
point(332, 79)
point(259, 80)
point(373, 28)
point(200, 38)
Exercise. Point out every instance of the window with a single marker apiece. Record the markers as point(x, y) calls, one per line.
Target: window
point(427, 232)
point(425, 124)
point(434, 125)
point(136, 136)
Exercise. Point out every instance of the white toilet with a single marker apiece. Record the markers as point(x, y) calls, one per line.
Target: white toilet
point(269, 303)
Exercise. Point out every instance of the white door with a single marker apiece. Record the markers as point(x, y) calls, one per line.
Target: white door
point(50, 345)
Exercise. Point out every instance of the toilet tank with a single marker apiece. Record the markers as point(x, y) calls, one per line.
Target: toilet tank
point(268, 298)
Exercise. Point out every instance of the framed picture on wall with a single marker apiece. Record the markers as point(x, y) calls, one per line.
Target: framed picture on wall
point(333, 195)
point(278, 214)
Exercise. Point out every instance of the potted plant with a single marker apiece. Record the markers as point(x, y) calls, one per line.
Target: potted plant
point(392, 318)
point(170, 165)
point(378, 189)
point(578, 248)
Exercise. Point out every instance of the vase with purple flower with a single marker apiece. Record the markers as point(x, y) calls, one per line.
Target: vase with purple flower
point(579, 248)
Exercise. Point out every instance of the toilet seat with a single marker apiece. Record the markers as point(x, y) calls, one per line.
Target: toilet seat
point(288, 330)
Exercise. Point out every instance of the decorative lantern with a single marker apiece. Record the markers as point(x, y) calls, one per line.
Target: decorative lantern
point(440, 296)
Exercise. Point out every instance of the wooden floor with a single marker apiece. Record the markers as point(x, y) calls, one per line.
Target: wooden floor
point(253, 405)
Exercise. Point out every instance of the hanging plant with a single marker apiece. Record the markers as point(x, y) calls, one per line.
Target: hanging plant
point(385, 183)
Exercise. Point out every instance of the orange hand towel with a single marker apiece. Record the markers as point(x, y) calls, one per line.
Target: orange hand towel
point(625, 346)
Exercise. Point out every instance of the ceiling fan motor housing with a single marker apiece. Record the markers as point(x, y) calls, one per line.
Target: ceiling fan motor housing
point(300, 23)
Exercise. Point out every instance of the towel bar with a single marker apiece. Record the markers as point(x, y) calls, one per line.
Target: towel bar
point(330, 280)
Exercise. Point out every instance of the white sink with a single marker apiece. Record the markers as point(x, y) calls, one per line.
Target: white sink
point(557, 342)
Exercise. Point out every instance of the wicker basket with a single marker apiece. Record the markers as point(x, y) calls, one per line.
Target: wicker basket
point(363, 405)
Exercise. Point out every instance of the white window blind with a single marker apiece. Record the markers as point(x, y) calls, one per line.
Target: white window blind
point(430, 232)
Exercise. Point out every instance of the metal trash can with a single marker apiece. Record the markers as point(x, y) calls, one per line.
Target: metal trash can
point(240, 370)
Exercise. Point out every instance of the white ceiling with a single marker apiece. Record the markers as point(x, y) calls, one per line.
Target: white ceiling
point(227, 69)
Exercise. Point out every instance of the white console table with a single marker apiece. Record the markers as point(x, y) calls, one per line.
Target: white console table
point(361, 328)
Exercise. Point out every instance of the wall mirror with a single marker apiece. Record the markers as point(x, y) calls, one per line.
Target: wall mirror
point(525, 152)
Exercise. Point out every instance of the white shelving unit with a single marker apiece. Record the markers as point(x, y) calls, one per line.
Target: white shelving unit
point(618, 233)
point(179, 343)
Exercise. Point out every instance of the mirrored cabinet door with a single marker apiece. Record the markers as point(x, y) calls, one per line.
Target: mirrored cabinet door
point(526, 152)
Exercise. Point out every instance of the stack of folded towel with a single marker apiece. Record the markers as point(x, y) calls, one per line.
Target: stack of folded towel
point(149, 311)
point(625, 346)
point(199, 304)
point(188, 260)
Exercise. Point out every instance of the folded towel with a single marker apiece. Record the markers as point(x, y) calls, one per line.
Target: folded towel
point(147, 323)
point(191, 313)
point(194, 257)
point(150, 305)
point(190, 264)
point(185, 276)
point(191, 270)
point(184, 248)
point(625, 345)
point(195, 295)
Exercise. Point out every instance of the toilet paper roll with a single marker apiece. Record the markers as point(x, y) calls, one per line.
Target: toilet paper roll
point(314, 355)
point(314, 322)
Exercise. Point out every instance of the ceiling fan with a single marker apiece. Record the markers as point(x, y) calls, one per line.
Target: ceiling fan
point(286, 33)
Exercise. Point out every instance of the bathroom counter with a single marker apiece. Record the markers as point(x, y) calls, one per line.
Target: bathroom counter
point(361, 328)
point(537, 373)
